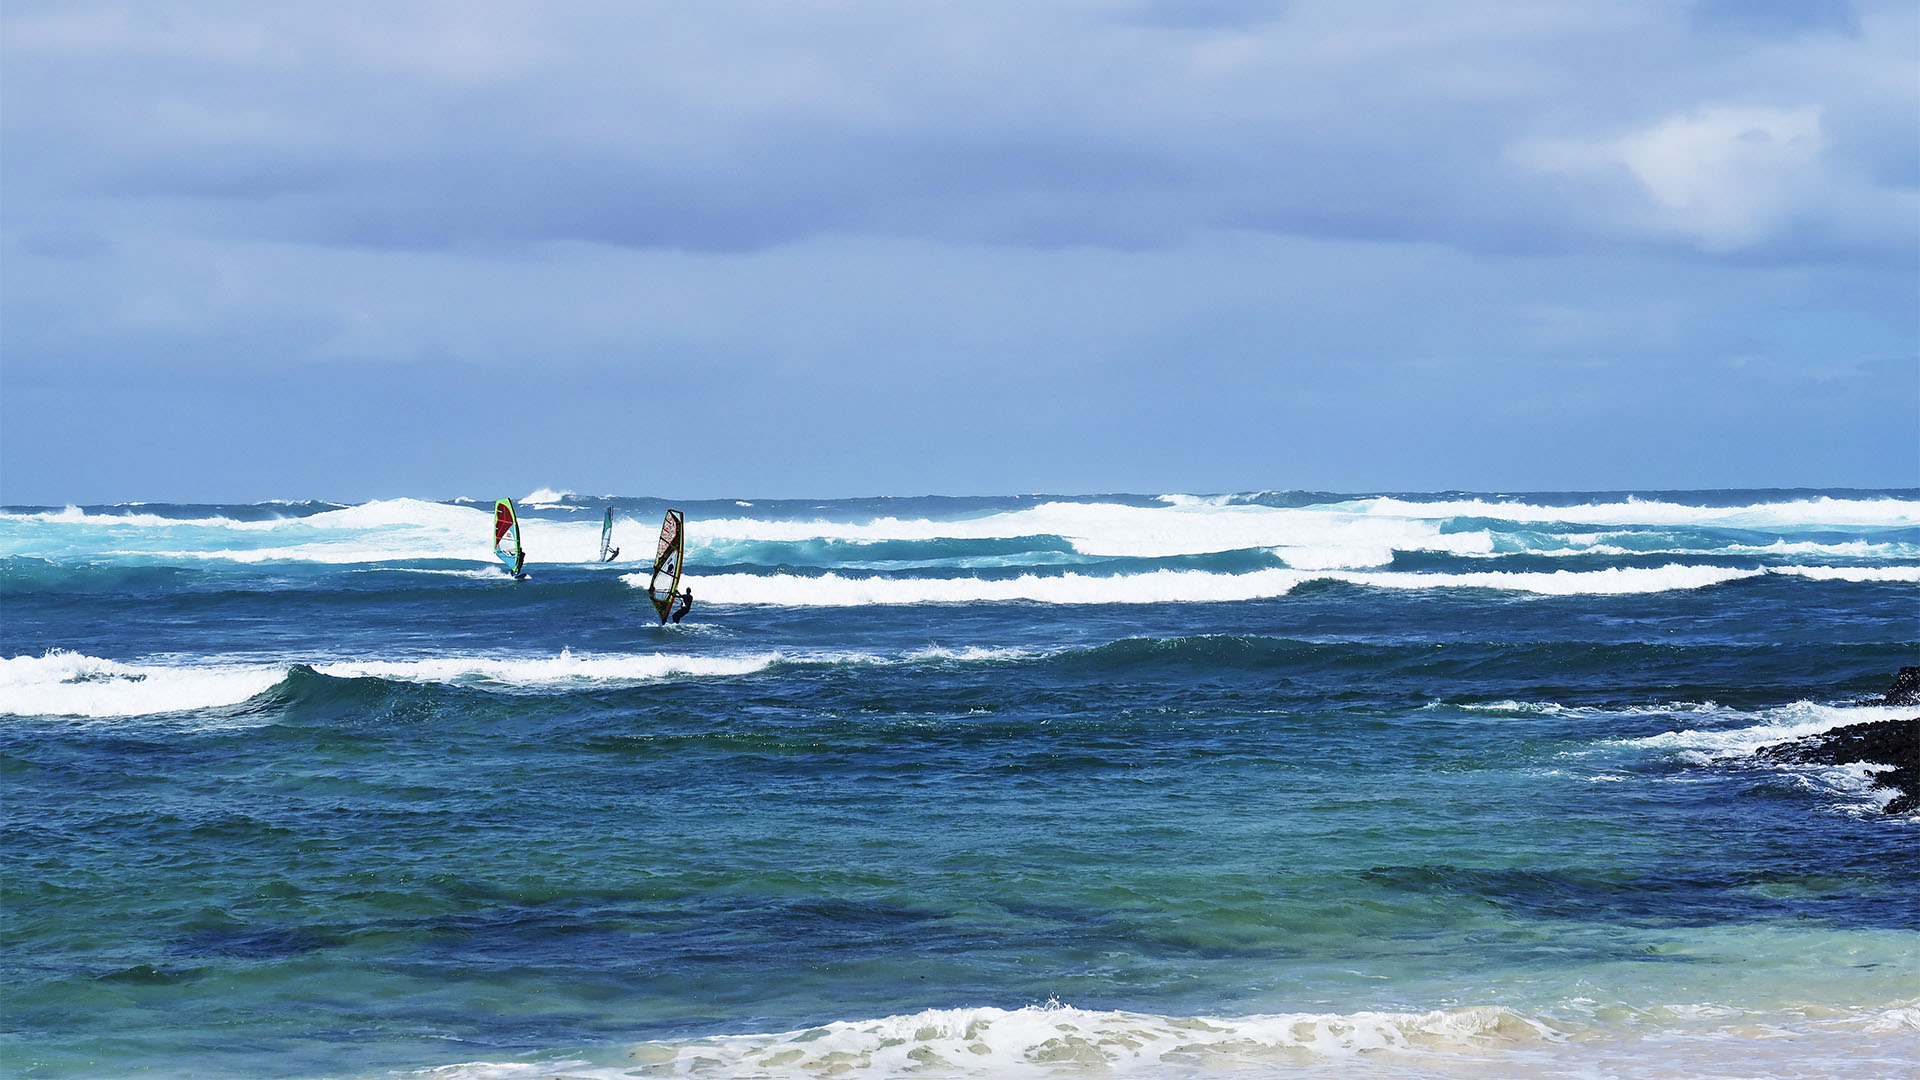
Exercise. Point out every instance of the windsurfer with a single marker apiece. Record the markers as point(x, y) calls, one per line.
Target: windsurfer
point(612, 555)
point(686, 605)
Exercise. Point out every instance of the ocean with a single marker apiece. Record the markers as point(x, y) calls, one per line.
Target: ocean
point(1277, 784)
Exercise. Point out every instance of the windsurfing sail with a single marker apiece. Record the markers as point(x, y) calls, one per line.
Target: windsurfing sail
point(666, 563)
point(506, 535)
point(607, 550)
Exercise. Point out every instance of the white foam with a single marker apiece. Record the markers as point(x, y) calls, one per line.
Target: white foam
point(548, 497)
point(333, 554)
point(74, 515)
point(1360, 535)
point(1797, 513)
point(1553, 708)
point(487, 574)
point(63, 683)
point(1855, 783)
point(387, 513)
point(1793, 721)
point(1309, 539)
point(388, 530)
point(1590, 544)
point(69, 514)
point(376, 514)
point(1851, 573)
point(1899, 1018)
point(392, 530)
point(972, 654)
point(1050, 1041)
point(565, 669)
point(1703, 1040)
point(1199, 586)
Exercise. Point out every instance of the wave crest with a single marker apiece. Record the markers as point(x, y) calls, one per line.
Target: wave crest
point(1045, 1040)
point(1199, 586)
point(70, 684)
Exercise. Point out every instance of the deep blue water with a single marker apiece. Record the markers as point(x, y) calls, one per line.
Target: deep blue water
point(1430, 783)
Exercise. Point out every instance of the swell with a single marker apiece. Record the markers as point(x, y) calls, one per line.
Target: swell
point(170, 514)
point(1779, 556)
point(1253, 669)
point(62, 683)
point(1354, 533)
point(26, 576)
point(948, 574)
point(1616, 674)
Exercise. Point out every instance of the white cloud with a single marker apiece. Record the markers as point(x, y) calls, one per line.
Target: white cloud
point(1725, 177)
point(1729, 176)
point(405, 124)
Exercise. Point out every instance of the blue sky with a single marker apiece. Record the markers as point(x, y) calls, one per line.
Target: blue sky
point(798, 248)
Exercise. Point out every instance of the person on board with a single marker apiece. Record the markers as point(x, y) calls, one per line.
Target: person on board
point(612, 555)
point(686, 605)
point(519, 560)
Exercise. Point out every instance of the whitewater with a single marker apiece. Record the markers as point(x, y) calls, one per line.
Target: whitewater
point(1167, 784)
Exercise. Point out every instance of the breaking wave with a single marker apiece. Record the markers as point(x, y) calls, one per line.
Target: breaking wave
point(1889, 512)
point(1355, 534)
point(63, 683)
point(70, 684)
point(1197, 586)
point(1054, 1040)
point(1731, 737)
point(1740, 733)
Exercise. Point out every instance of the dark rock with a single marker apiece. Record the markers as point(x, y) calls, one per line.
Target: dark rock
point(1882, 742)
point(145, 974)
point(1906, 689)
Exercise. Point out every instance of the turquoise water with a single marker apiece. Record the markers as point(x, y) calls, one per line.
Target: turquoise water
point(1290, 783)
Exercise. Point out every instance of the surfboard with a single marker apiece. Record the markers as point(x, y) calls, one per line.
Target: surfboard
point(607, 550)
point(506, 537)
point(666, 563)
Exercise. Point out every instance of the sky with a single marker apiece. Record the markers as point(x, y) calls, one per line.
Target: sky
point(799, 248)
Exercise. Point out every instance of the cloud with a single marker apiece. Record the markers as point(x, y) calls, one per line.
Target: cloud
point(737, 127)
point(1732, 178)
point(1729, 176)
point(1726, 177)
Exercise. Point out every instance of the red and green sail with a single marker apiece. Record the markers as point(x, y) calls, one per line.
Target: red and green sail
point(506, 534)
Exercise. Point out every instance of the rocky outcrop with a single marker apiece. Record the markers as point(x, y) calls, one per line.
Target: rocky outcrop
point(1906, 689)
point(1881, 742)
